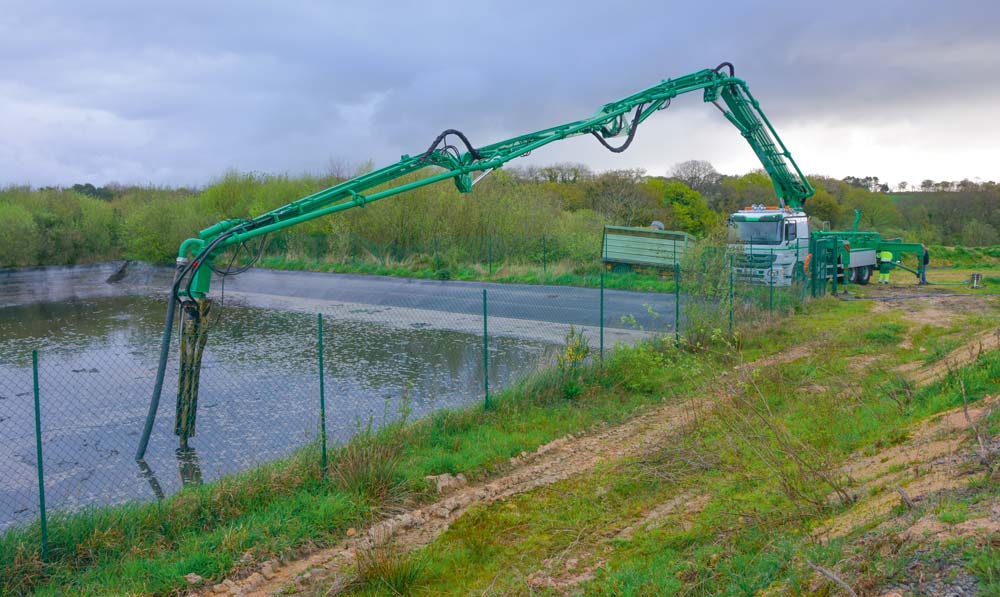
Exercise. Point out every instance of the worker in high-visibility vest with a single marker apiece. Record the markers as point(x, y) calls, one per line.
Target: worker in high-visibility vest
point(885, 266)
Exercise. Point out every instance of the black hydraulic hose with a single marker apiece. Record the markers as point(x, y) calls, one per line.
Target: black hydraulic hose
point(468, 145)
point(183, 269)
point(732, 71)
point(631, 133)
point(204, 254)
point(154, 402)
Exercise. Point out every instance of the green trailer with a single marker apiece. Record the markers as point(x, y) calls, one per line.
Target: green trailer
point(858, 254)
point(625, 248)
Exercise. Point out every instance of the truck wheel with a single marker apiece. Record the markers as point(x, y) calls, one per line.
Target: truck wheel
point(862, 275)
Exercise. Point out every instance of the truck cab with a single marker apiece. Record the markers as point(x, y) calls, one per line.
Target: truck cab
point(771, 244)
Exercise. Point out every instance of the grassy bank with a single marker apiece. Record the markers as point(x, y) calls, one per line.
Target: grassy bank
point(558, 274)
point(752, 531)
point(746, 501)
point(965, 257)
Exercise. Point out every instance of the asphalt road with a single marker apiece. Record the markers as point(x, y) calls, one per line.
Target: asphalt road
point(554, 304)
point(557, 304)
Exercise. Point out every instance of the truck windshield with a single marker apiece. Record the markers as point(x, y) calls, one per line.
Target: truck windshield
point(763, 233)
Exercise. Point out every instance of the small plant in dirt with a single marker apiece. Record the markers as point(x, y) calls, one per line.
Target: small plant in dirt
point(984, 563)
point(571, 360)
point(475, 538)
point(389, 570)
point(900, 391)
point(952, 511)
point(887, 333)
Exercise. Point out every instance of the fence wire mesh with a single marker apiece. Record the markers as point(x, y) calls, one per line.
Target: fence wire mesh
point(393, 347)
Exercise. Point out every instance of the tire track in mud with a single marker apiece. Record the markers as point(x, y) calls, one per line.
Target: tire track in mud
point(550, 463)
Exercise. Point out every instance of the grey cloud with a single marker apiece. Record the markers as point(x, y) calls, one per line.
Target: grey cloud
point(176, 93)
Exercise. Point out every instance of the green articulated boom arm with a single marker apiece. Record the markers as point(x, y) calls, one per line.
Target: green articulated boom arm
point(616, 119)
point(465, 167)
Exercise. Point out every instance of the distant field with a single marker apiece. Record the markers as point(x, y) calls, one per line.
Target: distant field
point(965, 257)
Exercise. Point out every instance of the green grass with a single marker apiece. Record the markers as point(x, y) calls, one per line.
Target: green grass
point(384, 570)
point(588, 275)
point(984, 562)
point(886, 333)
point(952, 511)
point(760, 502)
point(965, 257)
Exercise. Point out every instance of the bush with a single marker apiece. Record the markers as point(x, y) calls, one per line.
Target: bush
point(19, 241)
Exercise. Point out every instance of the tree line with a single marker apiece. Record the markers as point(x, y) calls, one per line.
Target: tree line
point(566, 204)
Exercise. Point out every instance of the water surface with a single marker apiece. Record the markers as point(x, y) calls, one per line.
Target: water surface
point(98, 345)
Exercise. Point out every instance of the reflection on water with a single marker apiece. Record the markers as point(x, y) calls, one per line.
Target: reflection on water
point(189, 466)
point(258, 397)
point(154, 484)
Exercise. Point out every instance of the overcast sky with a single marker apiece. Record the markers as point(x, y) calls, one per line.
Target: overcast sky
point(178, 92)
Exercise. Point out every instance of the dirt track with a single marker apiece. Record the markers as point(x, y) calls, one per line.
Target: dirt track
point(550, 463)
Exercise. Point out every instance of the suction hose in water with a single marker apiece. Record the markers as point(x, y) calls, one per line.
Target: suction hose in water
point(161, 370)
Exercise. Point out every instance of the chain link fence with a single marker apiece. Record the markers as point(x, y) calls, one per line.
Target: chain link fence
point(391, 348)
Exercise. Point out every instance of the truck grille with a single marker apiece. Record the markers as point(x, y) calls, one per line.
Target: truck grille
point(755, 261)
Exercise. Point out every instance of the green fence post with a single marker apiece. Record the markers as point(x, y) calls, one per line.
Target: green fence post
point(730, 295)
point(38, 455)
point(814, 254)
point(486, 356)
point(602, 315)
point(836, 271)
point(677, 303)
point(770, 285)
point(322, 397)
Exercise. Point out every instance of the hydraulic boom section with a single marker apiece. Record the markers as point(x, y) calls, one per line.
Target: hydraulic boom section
point(744, 112)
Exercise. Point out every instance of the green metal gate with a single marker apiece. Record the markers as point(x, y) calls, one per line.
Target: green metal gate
point(822, 265)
